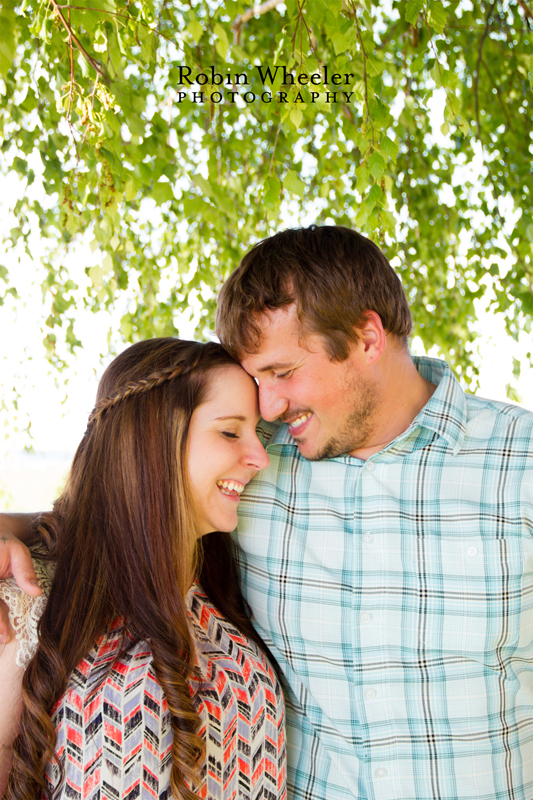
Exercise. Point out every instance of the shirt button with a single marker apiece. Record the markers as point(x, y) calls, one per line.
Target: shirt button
point(381, 773)
point(370, 466)
point(472, 551)
point(367, 537)
point(365, 616)
point(370, 693)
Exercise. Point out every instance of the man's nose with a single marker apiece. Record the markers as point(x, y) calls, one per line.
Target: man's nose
point(272, 404)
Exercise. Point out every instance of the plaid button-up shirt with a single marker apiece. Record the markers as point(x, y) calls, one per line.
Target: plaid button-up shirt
point(396, 596)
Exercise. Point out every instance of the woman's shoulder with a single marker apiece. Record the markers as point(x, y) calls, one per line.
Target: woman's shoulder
point(223, 650)
point(213, 632)
point(26, 611)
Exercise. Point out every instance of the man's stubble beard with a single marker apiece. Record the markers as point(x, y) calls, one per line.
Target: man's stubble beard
point(358, 426)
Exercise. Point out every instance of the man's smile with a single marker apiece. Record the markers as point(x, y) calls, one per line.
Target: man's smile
point(299, 424)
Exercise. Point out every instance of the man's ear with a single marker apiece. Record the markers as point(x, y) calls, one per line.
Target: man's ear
point(372, 337)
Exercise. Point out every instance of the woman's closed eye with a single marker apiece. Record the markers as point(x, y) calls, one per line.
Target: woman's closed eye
point(230, 434)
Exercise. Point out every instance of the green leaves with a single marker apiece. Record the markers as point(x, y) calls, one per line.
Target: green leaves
point(436, 15)
point(434, 12)
point(412, 10)
point(368, 205)
point(272, 193)
point(100, 40)
point(340, 42)
point(162, 192)
point(335, 7)
point(165, 148)
point(389, 147)
point(513, 395)
point(293, 183)
point(296, 116)
point(376, 165)
point(194, 28)
point(9, 36)
point(221, 41)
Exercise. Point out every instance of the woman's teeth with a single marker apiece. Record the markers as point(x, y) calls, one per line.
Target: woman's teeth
point(227, 487)
point(300, 420)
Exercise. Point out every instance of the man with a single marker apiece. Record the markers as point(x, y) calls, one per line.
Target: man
point(387, 550)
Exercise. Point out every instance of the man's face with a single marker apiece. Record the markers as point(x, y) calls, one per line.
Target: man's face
point(329, 406)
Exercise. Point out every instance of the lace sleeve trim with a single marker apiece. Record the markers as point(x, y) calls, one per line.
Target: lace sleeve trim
point(25, 611)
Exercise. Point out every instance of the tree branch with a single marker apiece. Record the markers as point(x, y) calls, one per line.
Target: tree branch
point(495, 187)
point(71, 92)
point(365, 78)
point(80, 47)
point(498, 95)
point(476, 74)
point(119, 14)
point(256, 11)
point(274, 151)
point(526, 9)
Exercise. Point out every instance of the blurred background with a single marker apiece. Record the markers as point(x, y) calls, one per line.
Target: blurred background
point(128, 194)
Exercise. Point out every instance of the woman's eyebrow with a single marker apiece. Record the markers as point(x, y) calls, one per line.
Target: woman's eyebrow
point(232, 416)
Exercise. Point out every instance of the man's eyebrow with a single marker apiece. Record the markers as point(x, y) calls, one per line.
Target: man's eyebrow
point(275, 366)
point(232, 416)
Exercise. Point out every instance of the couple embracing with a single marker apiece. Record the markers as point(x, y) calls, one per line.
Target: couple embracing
point(384, 545)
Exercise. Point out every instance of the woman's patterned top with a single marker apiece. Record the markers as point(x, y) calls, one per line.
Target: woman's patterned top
point(113, 728)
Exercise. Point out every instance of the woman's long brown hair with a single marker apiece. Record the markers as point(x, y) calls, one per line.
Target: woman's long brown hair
point(122, 536)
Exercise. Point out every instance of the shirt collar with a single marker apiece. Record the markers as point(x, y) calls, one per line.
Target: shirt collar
point(444, 413)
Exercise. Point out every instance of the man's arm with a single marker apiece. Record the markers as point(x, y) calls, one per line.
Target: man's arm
point(15, 560)
point(17, 525)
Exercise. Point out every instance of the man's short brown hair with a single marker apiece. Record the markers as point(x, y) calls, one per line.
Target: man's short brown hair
point(333, 275)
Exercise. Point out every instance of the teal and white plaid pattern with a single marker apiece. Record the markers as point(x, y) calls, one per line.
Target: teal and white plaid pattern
point(396, 596)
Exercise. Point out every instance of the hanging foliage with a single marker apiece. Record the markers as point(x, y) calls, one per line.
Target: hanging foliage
point(174, 135)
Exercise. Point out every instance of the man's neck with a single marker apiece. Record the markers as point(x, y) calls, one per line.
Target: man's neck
point(404, 393)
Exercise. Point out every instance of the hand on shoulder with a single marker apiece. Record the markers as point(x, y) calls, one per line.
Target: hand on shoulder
point(15, 561)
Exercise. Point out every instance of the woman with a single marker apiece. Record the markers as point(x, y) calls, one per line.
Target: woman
point(147, 682)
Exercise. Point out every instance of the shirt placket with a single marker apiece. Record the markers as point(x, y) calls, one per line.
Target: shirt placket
point(376, 691)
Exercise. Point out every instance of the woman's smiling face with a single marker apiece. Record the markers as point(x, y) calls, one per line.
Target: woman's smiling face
point(223, 451)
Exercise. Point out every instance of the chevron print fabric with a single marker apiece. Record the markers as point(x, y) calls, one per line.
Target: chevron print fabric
point(113, 728)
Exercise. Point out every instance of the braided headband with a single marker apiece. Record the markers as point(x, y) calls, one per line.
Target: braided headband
point(140, 387)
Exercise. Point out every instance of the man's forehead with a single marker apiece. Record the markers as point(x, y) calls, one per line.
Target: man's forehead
point(262, 335)
point(280, 349)
point(281, 324)
point(269, 355)
point(272, 319)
